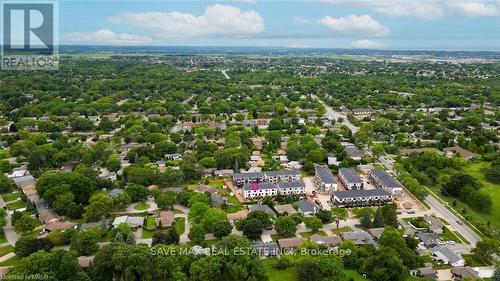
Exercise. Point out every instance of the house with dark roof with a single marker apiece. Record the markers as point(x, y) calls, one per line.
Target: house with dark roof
point(290, 244)
point(384, 180)
point(306, 207)
point(324, 179)
point(285, 209)
point(445, 255)
point(328, 241)
point(261, 207)
point(353, 152)
point(267, 249)
point(358, 237)
point(360, 197)
point(428, 239)
point(115, 192)
point(350, 178)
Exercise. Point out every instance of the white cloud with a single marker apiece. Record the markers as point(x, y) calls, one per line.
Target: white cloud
point(366, 44)
point(425, 9)
point(363, 25)
point(474, 8)
point(217, 20)
point(106, 36)
point(300, 20)
point(296, 44)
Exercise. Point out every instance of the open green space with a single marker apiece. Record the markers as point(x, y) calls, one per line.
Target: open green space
point(449, 235)
point(5, 250)
point(180, 225)
point(141, 206)
point(16, 205)
point(15, 260)
point(11, 196)
point(476, 169)
point(340, 230)
point(308, 234)
point(276, 236)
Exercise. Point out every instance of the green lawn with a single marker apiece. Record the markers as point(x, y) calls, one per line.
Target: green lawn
point(150, 223)
point(275, 237)
point(11, 196)
point(449, 235)
point(16, 205)
point(476, 170)
point(471, 260)
point(237, 206)
point(308, 234)
point(12, 261)
point(177, 211)
point(3, 239)
point(341, 230)
point(180, 225)
point(289, 274)
point(141, 206)
point(5, 250)
point(146, 234)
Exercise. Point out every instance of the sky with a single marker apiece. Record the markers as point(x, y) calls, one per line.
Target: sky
point(377, 24)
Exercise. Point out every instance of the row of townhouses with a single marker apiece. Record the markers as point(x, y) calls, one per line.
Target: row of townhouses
point(270, 176)
point(385, 181)
point(264, 189)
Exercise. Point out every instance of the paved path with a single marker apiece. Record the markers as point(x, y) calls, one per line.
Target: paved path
point(225, 74)
point(10, 233)
point(336, 115)
point(187, 226)
point(7, 256)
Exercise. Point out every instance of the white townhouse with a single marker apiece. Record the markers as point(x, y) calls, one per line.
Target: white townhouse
point(296, 187)
point(324, 179)
point(259, 190)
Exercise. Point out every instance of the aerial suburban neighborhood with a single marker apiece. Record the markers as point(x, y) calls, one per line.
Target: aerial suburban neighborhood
point(251, 164)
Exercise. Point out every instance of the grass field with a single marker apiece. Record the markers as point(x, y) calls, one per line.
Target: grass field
point(308, 234)
point(180, 225)
point(476, 170)
point(16, 205)
point(141, 206)
point(12, 261)
point(5, 250)
point(275, 237)
point(11, 196)
point(341, 230)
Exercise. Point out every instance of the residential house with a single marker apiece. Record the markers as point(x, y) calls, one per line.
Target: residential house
point(224, 173)
point(350, 179)
point(360, 197)
point(445, 255)
point(165, 219)
point(434, 224)
point(290, 244)
point(261, 207)
point(376, 233)
point(460, 272)
point(358, 237)
point(306, 207)
point(285, 209)
point(217, 201)
point(292, 165)
point(234, 217)
point(267, 249)
point(425, 272)
point(384, 180)
point(408, 151)
point(353, 152)
point(332, 161)
point(362, 111)
point(115, 192)
point(450, 151)
point(328, 241)
point(324, 179)
point(428, 239)
point(173, 156)
point(133, 222)
point(206, 189)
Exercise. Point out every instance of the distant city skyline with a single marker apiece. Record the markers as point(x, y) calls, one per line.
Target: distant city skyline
point(385, 24)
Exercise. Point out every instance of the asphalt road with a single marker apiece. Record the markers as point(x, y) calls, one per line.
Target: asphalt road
point(443, 212)
point(336, 115)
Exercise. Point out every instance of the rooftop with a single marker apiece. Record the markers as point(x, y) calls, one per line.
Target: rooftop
point(350, 175)
point(325, 175)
